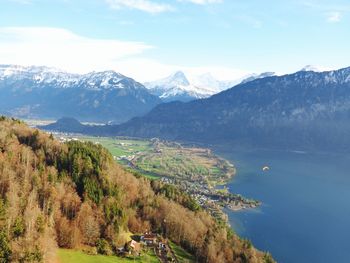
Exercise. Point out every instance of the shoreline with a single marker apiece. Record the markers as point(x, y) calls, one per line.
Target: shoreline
point(209, 191)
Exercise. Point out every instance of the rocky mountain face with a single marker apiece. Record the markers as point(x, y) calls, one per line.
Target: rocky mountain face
point(298, 111)
point(41, 92)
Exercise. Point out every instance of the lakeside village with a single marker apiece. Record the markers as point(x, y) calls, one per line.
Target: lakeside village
point(212, 199)
point(209, 197)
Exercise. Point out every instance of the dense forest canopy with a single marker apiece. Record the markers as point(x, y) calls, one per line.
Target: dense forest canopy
point(74, 195)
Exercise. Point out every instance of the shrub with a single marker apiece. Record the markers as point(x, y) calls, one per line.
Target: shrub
point(90, 251)
point(103, 247)
point(18, 227)
point(5, 250)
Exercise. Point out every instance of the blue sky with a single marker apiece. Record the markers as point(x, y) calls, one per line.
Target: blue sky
point(148, 39)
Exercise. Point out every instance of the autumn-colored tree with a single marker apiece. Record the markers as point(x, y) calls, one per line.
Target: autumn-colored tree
point(74, 194)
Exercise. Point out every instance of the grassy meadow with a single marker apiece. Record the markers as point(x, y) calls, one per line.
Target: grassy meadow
point(156, 159)
point(76, 256)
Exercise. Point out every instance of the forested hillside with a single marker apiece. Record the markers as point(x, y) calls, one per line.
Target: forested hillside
point(42, 92)
point(74, 196)
point(307, 111)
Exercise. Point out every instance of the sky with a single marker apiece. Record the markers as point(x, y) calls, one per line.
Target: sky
point(149, 39)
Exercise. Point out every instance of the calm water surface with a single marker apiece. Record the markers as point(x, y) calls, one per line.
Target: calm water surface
point(305, 216)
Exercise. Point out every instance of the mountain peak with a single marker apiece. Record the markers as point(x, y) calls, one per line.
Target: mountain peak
point(311, 68)
point(282, 111)
point(178, 87)
point(96, 96)
point(179, 74)
point(179, 78)
point(103, 80)
point(258, 76)
point(108, 74)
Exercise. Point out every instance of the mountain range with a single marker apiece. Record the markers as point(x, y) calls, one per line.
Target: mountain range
point(304, 110)
point(48, 93)
point(178, 87)
point(42, 92)
point(104, 97)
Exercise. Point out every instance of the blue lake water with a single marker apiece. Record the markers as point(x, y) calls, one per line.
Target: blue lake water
point(305, 216)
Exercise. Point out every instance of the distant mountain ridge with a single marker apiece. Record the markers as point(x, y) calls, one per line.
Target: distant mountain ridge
point(42, 92)
point(301, 110)
point(177, 87)
point(258, 76)
point(304, 110)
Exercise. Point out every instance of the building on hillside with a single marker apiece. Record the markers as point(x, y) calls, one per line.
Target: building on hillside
point(135, 246)
point(149, 239)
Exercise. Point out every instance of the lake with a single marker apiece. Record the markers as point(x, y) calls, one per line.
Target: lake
point(305, 215)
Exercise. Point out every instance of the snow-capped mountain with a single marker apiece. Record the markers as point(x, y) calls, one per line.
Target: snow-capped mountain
point(209, 82)
point(178, 87)
point(257, 76)
point(43, 92)
point(39, 75)
point(312, 68)
point(305, 110)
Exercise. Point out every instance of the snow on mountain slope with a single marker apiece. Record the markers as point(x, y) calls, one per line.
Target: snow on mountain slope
point(209, 82)
point(36, 74)
point(178, 87)
point(304, 110)
point(313, 68)
point(42, 92)
point(61, 79)
point(257, 76)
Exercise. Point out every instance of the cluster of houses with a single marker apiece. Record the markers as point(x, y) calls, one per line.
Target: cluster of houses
point(199, 191)
point(125, 158)
point(210, 199)
point(64, 137)
point(148, 241)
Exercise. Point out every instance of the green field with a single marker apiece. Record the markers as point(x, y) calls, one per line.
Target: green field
point(74, 256)
point(155, 158)
point(120, 147)
point(182, 255)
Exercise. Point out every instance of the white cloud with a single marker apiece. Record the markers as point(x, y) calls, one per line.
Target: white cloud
point(334, 17)
point(202, 2)
point(62, 49)
point(142, 5)
point(328, 9)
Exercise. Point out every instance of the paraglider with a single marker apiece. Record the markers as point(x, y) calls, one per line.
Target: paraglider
point(265, 168)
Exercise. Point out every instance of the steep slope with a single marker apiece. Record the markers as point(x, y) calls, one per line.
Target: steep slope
point(302, 110)
point(74, 195)
point(40, 92)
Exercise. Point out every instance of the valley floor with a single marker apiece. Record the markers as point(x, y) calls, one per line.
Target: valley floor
point(194, 170)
